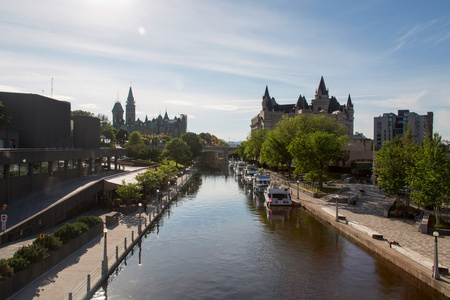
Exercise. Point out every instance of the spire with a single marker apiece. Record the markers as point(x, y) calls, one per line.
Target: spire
point(266, 93)
point(130, 99)
point(349, 102)
point(322, 90)
point(166, 117)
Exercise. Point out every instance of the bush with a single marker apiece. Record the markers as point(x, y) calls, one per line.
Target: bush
point(70, 231)
point(33, 253)
point(5, 269)
point(49, 241)
point(91, 221)
point(17, 264)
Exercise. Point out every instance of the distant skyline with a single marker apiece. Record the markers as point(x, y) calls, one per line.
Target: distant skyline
point(212, 60)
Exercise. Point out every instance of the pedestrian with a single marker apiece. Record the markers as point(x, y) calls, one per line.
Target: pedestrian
point(92, 171)
point(145, 205)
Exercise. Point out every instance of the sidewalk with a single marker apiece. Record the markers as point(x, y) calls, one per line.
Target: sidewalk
point(71, 272)
point(416, 250)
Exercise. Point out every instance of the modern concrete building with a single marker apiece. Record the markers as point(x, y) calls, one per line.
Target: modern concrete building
point(389, 126)
point(46, 143)
point(272, 112)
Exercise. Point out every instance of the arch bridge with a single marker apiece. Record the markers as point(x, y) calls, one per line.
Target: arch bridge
point(221, 152)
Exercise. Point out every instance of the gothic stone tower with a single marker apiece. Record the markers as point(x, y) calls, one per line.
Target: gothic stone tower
point(130, 109)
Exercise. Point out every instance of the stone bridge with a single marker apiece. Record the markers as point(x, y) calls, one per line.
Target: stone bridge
point(219, 152)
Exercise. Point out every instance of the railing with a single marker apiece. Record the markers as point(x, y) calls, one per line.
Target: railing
point(122, 251)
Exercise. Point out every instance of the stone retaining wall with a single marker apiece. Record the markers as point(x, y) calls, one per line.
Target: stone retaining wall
point(33, 271)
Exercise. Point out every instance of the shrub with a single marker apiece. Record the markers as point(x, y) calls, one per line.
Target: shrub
point(5, 269)
point(17, 263)
point(67, 232)
point(91, 221)
point(49, 241)
point(33, 253)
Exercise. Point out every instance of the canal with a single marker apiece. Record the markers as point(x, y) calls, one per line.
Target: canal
point(218, 241)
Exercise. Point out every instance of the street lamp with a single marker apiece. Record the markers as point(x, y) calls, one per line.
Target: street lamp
point(140, 222)
point(105, 252)
point(298, 189)
point(436, 262)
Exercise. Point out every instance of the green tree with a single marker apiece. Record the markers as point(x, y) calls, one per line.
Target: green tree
point(110, 134)
point(430, 175)
point(168, 171)
point(80, 112)
point(128, 191)
point(274, 151)
point(122, 135)
point(104, 123)
point(178, 151)
point(149, 180)
point(193, 142)
point(391, 170)
point(313, 152)
point(254, 143)
point(240, 151)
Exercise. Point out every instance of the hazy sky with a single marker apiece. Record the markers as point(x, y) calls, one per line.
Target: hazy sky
point(212, 60)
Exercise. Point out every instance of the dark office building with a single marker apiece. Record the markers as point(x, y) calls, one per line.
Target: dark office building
point(40, 122)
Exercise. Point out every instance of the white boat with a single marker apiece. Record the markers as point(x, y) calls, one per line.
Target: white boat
point(239, 168)
point(277, 196)
point(249, 172)
point(231, 164)
point(261, 181)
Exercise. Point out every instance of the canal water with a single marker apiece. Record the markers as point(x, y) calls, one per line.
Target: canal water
point(218, 241)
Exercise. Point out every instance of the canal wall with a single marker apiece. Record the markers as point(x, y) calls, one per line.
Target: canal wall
point(379, 248)
point(115, 257)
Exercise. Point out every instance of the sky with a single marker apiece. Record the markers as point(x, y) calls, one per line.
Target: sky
point(212, 59)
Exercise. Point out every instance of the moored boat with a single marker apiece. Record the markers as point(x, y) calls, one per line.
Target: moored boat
point(261, 181)
point(277, 196)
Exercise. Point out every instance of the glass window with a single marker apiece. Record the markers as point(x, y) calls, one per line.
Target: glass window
point(14, 170)
point(61, 165)
point(44, 167)
point(2, 171)
point(37, 168)
point(55, 166)
point(23, 169)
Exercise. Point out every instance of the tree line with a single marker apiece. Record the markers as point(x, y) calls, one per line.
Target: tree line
point(310, 143)
point(420, 173)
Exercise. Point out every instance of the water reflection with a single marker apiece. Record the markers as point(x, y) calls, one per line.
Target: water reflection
point(223, 243)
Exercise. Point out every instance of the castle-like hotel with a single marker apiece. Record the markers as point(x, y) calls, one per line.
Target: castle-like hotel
point(157, 126)
point(272, 112)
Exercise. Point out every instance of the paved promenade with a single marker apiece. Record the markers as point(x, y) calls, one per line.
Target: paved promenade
point(71, 272)
point(415, 252)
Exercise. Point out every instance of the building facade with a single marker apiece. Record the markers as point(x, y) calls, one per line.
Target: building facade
point(389, 126)
point(272, 112)
point(157, 126)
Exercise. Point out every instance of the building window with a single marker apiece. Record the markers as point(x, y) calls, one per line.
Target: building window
point(44, 167)
point(2, 171)
point(37, 168)
point(23, 169)
point(14, 170)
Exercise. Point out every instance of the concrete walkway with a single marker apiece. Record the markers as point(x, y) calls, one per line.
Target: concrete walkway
point(72, 272)
point(367, 218)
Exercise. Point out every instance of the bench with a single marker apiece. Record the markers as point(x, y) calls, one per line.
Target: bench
point(112, 218)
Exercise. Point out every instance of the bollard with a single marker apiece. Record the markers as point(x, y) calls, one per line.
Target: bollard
point(132, 236)
point(125, 244)
point(70, 296)
point(117, 253)
point(88, 283)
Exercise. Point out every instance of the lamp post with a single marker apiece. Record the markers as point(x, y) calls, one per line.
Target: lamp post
point(436, 261)
point(337, 214)
point(105, 252)
point(298, 189)
point(140, 222)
